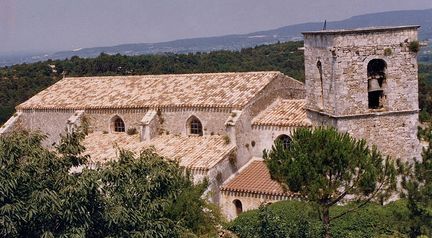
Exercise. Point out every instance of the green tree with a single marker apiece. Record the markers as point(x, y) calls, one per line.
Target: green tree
point(419, 190)
point(141, 193)
point(43, 194)
point(38, 194)
point(300, 219)
point(325, 166)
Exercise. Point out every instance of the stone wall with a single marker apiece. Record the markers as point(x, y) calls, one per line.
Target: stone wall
point(216, 176)
point(171, 120)
point(150, 125)
point(101, 119)
point(394, 134)
point(219, 174)
point(212, 120)
point(266, 136)
point(344, 59)
point(249, 201)
point(282, 87)
point(14, 123)
point(52, 123)
point(336, 69)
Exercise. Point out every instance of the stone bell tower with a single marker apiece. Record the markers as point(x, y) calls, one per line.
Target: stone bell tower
point(364, 81)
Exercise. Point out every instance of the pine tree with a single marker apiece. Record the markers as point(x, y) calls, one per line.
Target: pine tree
point(325, 167)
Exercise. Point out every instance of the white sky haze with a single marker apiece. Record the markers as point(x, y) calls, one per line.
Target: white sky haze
point(51, 25)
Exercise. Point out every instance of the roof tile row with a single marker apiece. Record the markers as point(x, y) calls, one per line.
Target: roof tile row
point(255, 178)
point(194, 152)
point(232, 90)
point(283, 112)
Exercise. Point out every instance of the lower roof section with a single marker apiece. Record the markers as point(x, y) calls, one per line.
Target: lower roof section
point(193, 152)
point(255, 178)
point(284, 113)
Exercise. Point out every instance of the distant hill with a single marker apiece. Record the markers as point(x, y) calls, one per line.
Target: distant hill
point(236, 42)
point(20, 82)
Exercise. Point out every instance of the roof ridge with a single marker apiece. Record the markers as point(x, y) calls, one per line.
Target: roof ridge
point(180, 74)
point(292, 100)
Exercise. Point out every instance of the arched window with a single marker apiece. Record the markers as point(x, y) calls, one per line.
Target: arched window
point(376, 79)
point(195, 126)
point(285, 140)
point(118, 125)
point(239, 207)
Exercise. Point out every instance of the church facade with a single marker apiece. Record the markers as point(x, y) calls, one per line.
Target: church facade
point(361, 81)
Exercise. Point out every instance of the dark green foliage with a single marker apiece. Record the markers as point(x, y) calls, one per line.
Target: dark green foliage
point(188, 210)
point(301, 219)
point(282, 219)
point(388, 51)
point(325, 166)
point(20, 82)
point(38, 196)
point(414, 46)
point(372, 220)
point(425, 89)
point(143, 196)
point(139, 193)
point(418, 187)
point(132, 131)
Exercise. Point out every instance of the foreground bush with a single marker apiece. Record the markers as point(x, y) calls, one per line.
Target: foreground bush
point(301, 219)
point(139, 195)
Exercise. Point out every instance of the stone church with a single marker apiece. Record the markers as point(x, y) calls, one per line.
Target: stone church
point(361, 81)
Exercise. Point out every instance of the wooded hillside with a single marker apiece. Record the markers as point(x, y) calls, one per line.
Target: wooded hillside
point(20, 82)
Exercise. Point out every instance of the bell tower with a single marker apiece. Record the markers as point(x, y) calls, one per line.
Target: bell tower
point(364, 82)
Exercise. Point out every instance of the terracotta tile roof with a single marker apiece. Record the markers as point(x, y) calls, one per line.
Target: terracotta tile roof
point(283, 112)
point(195, 152)
point(255, 178)
point(233, 90)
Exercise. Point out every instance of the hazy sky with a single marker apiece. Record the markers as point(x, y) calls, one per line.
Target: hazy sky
point(49, 25)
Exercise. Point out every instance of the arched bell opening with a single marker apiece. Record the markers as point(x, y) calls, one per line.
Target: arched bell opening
point(376, 72)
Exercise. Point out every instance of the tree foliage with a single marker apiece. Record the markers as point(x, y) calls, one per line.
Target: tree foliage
point(301, 219)
point(425, 89)
point(325, 166)
point(418, 187)
point(38, 196)
point(42, 194)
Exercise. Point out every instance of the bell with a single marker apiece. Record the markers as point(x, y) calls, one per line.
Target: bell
point(374, 85)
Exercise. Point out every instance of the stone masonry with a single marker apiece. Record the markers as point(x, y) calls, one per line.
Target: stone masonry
point(336, 68)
